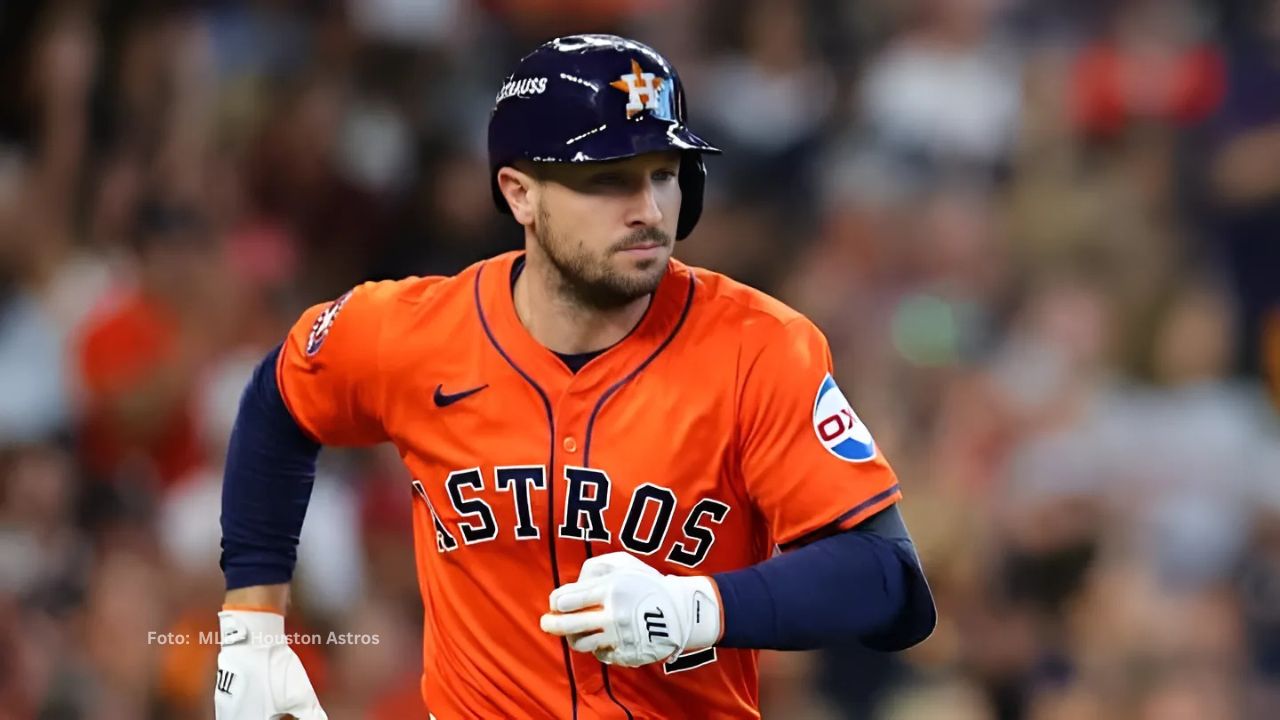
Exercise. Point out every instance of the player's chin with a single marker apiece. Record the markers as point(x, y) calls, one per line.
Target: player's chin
point(643, 281)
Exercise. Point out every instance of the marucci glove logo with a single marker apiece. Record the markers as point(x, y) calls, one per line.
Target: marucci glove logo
point(654, 624)
point(225, 677)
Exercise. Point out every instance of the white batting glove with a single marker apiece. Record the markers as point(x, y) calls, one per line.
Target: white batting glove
point(259, 676)
point(627, 613)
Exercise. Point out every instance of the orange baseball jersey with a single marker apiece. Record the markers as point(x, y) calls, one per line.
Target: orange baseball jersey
point(711, 434)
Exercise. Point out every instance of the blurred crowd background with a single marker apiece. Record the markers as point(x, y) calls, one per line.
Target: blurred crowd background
point(1043, 237)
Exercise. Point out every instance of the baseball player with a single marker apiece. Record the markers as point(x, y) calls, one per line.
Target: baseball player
point(630, 474)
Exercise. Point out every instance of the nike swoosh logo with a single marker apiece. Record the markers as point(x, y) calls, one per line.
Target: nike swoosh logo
point(446, 399)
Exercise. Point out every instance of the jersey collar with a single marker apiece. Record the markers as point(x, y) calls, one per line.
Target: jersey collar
point(659, 326)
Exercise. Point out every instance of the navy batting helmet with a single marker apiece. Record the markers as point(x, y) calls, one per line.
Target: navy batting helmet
point(589, 98)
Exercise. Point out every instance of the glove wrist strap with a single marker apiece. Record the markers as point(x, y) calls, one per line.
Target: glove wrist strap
point(252, 628)
point(704, 613)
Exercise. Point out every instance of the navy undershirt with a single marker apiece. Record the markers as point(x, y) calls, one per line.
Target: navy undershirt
point(862, 585)
point(271, 465)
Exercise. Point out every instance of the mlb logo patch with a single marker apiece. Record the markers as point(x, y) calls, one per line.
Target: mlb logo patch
point(838, 427)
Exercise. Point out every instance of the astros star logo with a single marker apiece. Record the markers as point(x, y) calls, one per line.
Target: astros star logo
point(642, 87)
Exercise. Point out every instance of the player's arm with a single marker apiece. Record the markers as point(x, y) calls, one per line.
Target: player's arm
point(273, 597)
point(861, 586)
point(266, 487)
point(849, 573)
point(321, 386)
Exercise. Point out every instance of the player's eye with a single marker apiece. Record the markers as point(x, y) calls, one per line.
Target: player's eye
point(664, 175)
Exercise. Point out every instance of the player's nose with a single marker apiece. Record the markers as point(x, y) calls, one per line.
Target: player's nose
point(644, 210)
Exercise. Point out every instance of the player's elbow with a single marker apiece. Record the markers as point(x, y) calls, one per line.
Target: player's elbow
point(912, 615)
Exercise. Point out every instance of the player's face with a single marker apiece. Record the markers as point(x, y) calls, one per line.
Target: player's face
point(609, 228)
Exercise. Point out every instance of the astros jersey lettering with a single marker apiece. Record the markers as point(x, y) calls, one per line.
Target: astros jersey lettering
point(711, 434)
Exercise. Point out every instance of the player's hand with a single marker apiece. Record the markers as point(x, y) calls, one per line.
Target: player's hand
point(627, 613)
point(259, 676)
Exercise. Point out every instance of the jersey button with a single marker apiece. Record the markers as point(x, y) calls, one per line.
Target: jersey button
point(570, 445)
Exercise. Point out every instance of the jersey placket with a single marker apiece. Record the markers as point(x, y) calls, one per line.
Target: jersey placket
point(571, 402)
point(580, 534)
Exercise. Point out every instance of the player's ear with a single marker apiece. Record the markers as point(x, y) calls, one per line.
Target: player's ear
point(519, 188)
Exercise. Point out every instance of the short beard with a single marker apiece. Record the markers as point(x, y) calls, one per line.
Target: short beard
point(597, 288)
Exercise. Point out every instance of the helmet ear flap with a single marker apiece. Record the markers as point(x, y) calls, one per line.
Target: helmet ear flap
point(693, 179)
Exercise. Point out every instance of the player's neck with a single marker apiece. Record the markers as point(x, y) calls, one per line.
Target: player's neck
point(562, 324)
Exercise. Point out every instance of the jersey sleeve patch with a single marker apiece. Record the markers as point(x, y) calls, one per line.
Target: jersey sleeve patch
point(324, 321)
point(838, 428)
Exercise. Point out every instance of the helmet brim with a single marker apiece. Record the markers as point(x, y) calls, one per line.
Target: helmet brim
point(605, 143)
point(603, 146)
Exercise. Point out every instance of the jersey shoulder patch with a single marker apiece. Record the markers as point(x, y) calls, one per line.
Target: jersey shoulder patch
point(324, 321)
point(838, 427)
